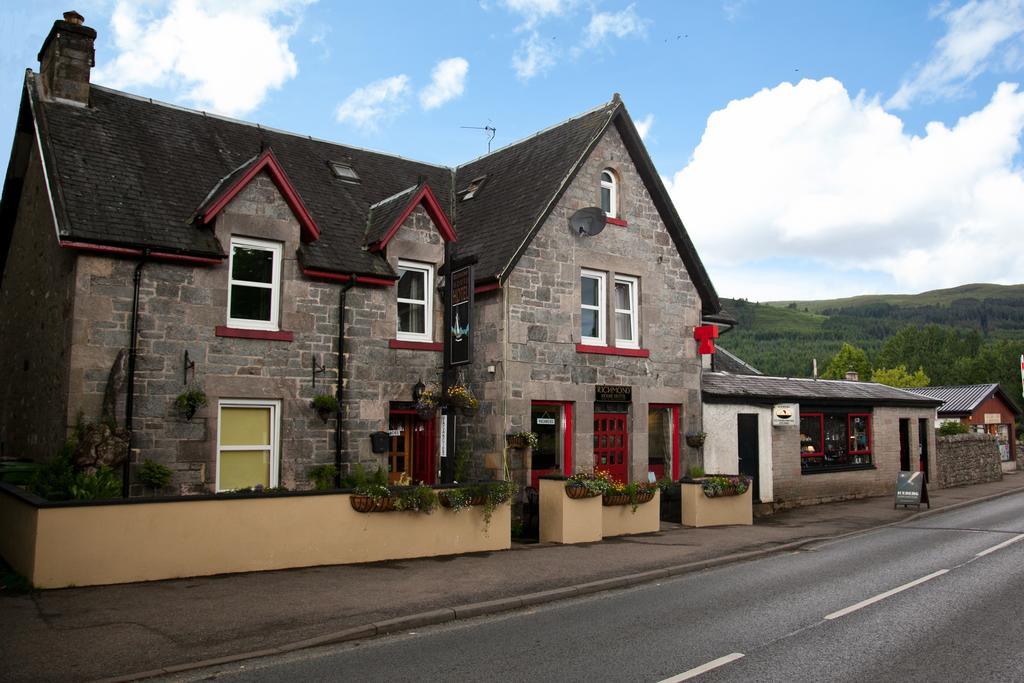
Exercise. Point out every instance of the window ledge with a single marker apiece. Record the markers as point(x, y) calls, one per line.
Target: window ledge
point(415, 346)
point(612, 351)
point(621, 222)
point(242, 333)
point(837, 468)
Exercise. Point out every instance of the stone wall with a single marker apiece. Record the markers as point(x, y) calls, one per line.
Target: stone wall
point(35, 314)
point(964, 459)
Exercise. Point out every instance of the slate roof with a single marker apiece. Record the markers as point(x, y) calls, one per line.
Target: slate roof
point(964, 399)
point(720, 387)
point(128, 171)
point(727, 361)
point(384, 213)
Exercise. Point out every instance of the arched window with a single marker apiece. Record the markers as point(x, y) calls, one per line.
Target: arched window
point(609, 193)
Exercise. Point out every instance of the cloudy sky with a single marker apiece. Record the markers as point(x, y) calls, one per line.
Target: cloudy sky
point(813, 150)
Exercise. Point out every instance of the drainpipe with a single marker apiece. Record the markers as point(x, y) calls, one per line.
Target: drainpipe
point(129, 402)
point(341, 378)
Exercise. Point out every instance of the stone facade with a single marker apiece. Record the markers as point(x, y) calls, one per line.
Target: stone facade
point(964, 459)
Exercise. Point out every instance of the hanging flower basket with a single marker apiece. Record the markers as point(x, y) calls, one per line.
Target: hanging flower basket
point(425, 413)
point(521, 440)
point(371, 504)
point(696, 439)
point(579, 491)
point(719, 485)
point(450, 502)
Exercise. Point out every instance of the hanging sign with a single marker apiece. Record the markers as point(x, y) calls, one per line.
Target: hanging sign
point(545, 420)
point(607, 393)
point(460, 348)
point(911, 489)
point(443, 450)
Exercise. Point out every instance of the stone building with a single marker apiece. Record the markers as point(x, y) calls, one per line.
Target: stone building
point(146, 249)
point(807, 441)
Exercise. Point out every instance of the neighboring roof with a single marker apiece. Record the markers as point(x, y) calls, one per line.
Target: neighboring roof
point(387, 216)
point(384, 213)
point(727, 361)
point(130, 172)
point(965, 399)
point(720, 387)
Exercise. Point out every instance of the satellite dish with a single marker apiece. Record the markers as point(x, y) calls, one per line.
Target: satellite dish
point(587, 222)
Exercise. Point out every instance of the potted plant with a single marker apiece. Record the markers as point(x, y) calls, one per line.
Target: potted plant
point(189, 401)
point(325, 405)
point(696, 439)
point(717, 485)
point(417, 498)
point(521, 440)
point(372, 498)
point(459, 396)
point(634, 493)
point(586, 485)
point(428, 402)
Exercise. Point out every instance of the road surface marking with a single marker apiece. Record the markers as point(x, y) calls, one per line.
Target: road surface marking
point(1001, 545)
point(704, 668)
point(883, 596)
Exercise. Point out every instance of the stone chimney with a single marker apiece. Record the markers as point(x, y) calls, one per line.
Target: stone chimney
point(66, 58)
point(852, 376)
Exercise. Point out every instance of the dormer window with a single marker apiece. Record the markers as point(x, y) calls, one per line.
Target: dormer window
point(343, 172)
point(609, 193)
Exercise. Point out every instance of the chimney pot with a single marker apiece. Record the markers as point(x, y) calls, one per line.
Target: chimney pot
point(66, 58)
point(852, 376)
point(74, 17)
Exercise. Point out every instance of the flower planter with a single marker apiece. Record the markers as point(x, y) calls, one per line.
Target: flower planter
point(578, 492)
point(515, 442)
point(698, 510)
point(621, 520)
point(442, 498)
point(624, 498)
point(370, 504)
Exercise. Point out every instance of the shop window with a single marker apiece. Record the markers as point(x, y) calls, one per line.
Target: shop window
point(254, 284)
point(834, 441)
point(626, 333)
point(592, 307)
point(663, 440)
point(609, 193)
point(552, 422)
point(247, 444)
point(415, 301)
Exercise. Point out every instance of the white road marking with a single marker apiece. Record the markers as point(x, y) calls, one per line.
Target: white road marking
point(883, 596)
point(704, 668)
point(1001, 545)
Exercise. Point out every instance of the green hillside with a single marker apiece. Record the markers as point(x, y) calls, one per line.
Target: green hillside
point(963, 335)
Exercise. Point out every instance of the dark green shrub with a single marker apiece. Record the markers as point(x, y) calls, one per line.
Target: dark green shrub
point(154, 475)
point(323, 476)
point(952, 428)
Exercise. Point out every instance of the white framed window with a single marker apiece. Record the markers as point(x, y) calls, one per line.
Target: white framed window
point(254, 284)
point(247, 450)
point(609, 193)
point(626, 296)
point(592, 307)
point(415, 301)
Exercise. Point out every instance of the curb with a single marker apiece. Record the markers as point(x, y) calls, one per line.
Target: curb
point(478, 609)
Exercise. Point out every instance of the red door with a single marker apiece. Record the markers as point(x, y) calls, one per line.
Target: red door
point(611, 445)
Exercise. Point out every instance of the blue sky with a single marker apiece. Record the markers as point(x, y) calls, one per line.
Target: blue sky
point(812, 149)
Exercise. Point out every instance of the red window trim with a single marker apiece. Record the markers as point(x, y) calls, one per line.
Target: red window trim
point(849, 431)
point(612, 351)
point(567, 436)
point(676, 412)
point(820, 453)
point(415, 346)
point(242, 333)
point(621, 222)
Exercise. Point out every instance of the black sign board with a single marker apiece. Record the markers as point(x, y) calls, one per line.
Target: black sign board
point(607, 393)
point(460, 345)
point(911, 489)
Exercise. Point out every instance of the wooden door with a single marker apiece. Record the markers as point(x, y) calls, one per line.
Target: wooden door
point(746, 428)
point(611, 444)
point(400, 454)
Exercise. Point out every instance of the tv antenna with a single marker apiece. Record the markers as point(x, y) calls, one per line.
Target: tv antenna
point(491, 132)
point(588, 222)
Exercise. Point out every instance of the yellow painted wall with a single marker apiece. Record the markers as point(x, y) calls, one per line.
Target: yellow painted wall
point(699, 510)
point(106, 544)
point(618, 520)
point(565, 520)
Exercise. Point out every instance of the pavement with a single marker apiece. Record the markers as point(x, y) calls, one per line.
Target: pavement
point(160, 628)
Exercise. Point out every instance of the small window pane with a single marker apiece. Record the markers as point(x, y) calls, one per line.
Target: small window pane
point(590, 291)
point(411, 286)
point(623, 300)
point(252, 265)
point(606, 200)
point(589, 324)
point(241, 469)
point(250, 303)
point(859, 433)
point(245, 426)
point(624, 327)
point(410, 318)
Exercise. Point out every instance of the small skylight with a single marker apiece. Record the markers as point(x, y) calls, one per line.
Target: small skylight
point(343, 171)
point(474, 187)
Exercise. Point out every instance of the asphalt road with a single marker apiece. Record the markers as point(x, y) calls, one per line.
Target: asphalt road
point(939, 599)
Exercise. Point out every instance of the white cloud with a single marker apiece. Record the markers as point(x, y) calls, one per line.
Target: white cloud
point(643, 126)
point(604, 25)
point(534, 57)
point(971, 45)
point(805, 171)
point(217, 56)
point(448, 80)
point(533, 11)
point(373, 104)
